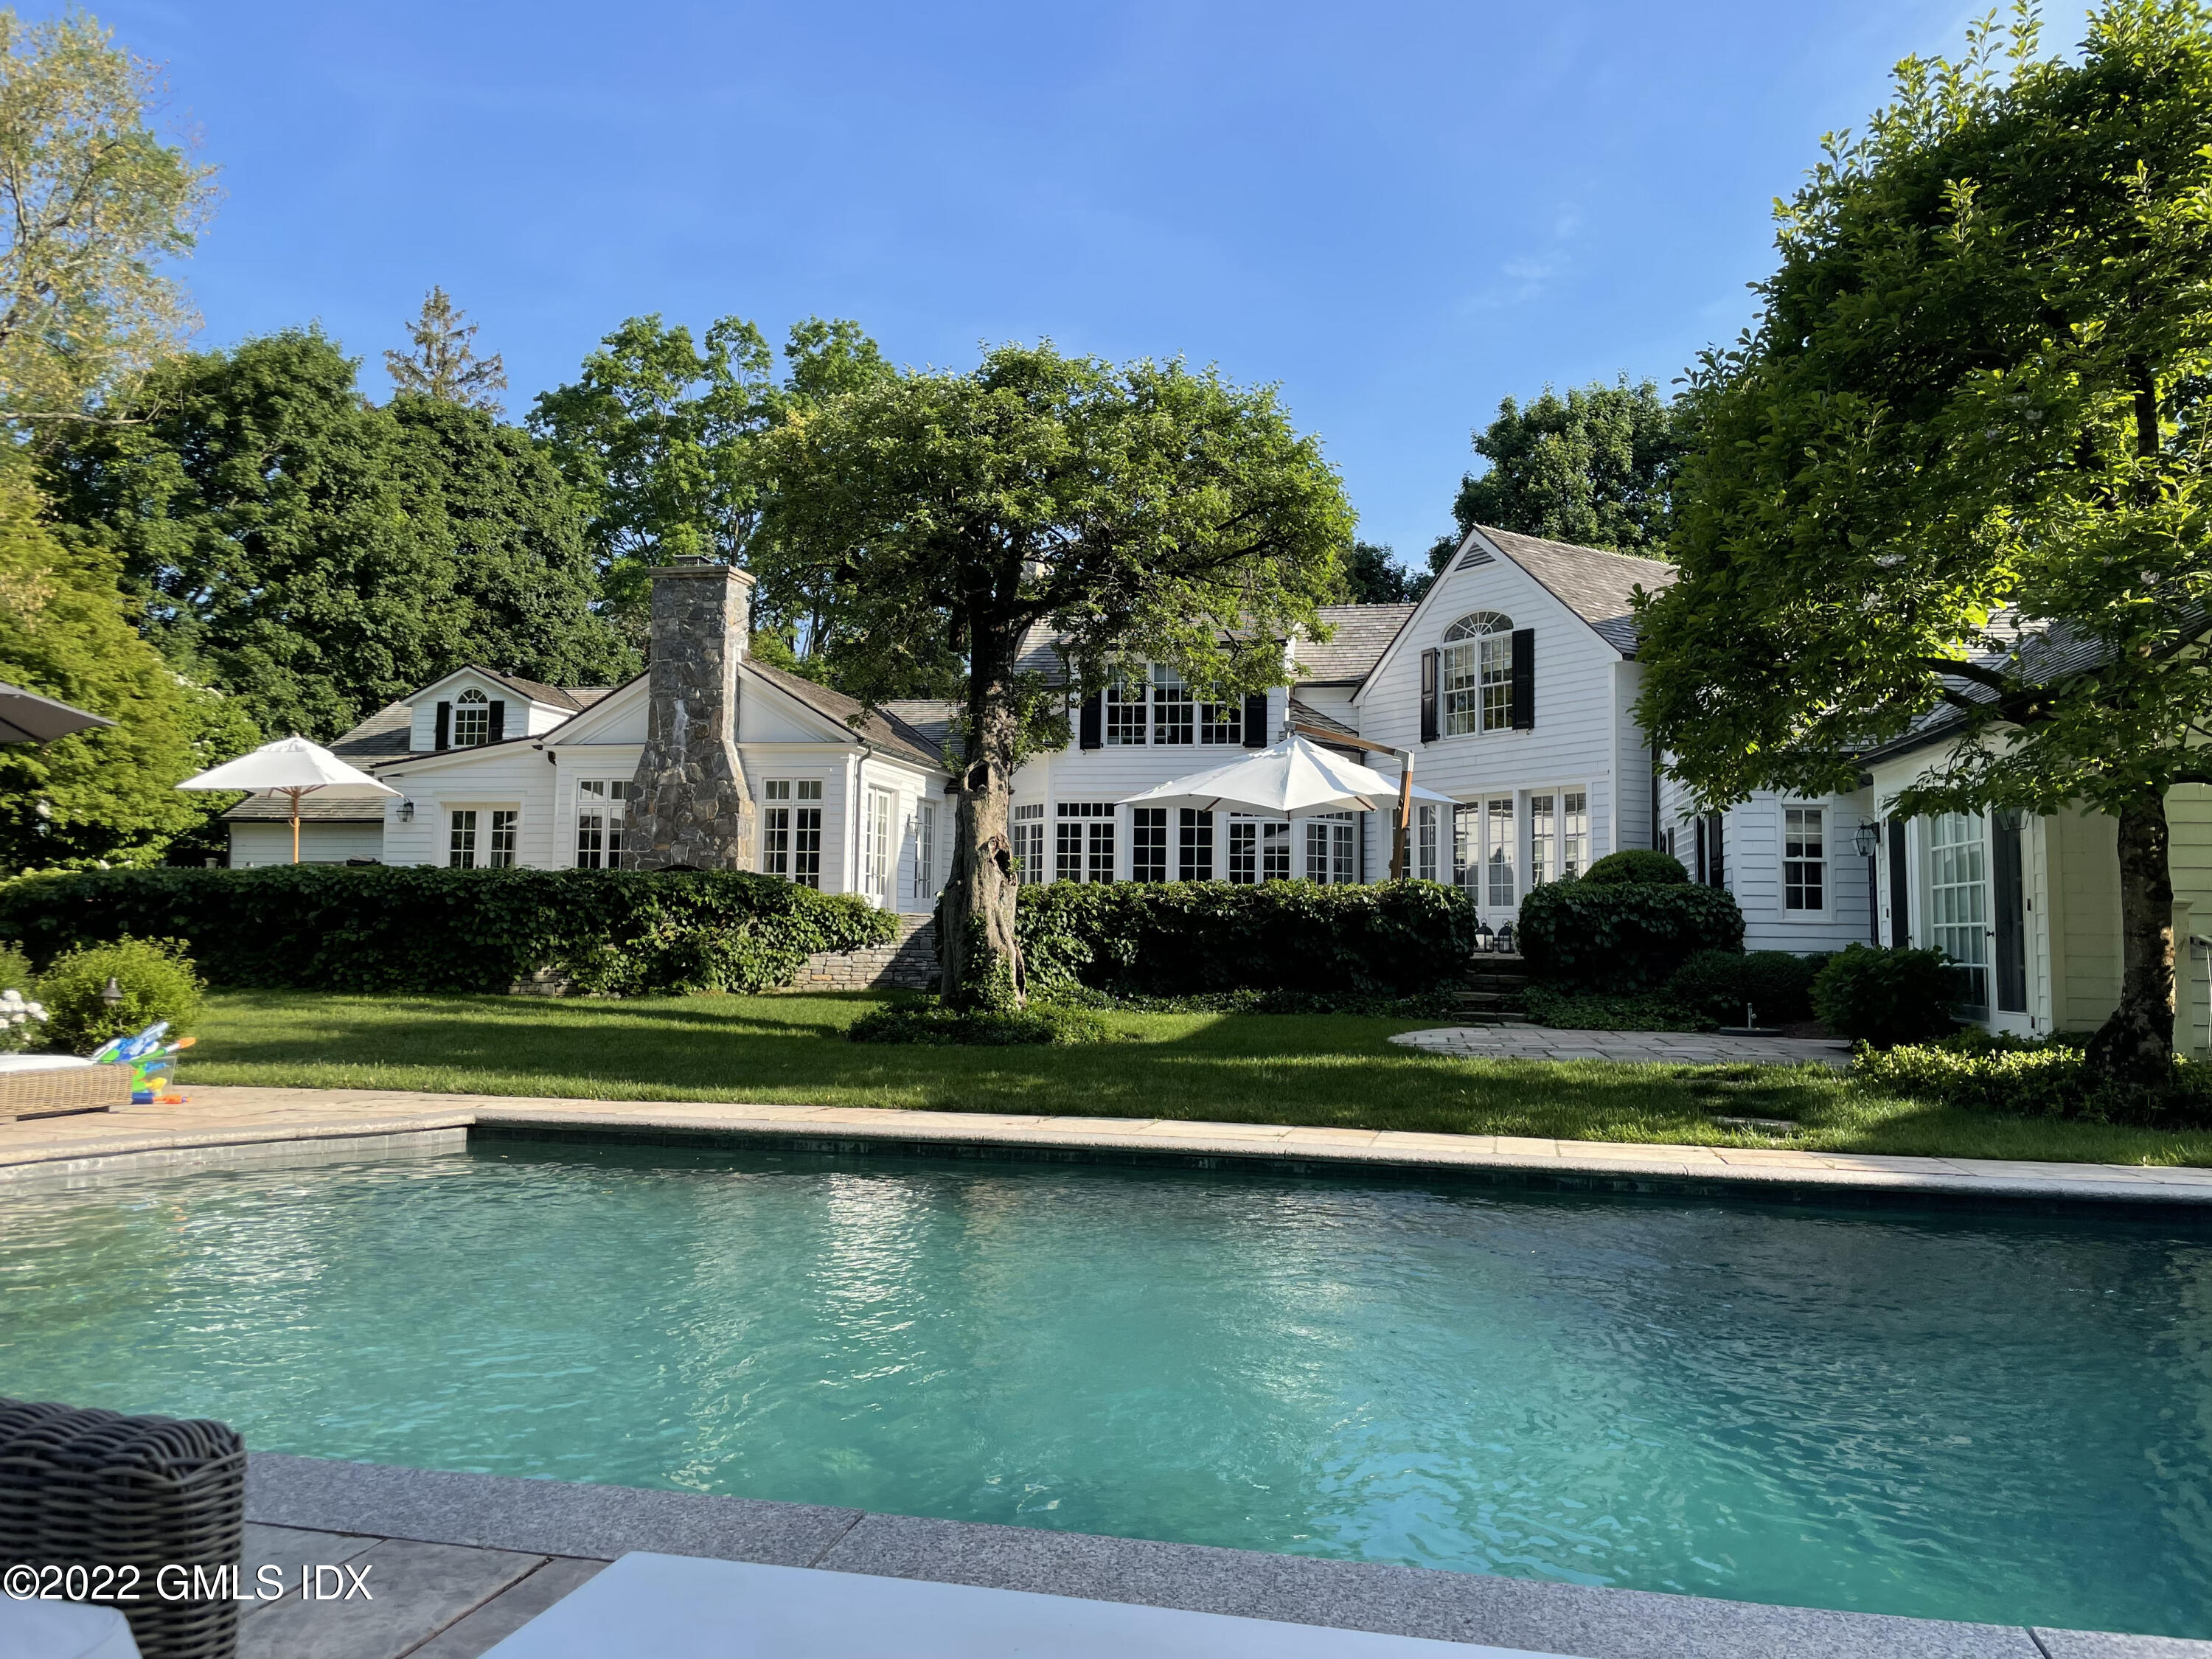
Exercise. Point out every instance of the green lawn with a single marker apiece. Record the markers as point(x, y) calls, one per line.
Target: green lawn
point(1335, 1070)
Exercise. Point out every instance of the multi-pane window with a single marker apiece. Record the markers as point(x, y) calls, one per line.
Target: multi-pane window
point(472, 719)
point(501, 855)
point(1574, 833)
point(1476, 670)
point(1028, 842)
point(1959, 900)
point(1148, 843)
point(925, 851)
point(599, 809)
point(1259, 850)
point(877, 853)
point(1194, 852)
point(461, 849)
point(1331, 854)
point(1173, 712)
point(1498, 852)
point(1543, 825)
point(791, 830)
point(1221, 723)
point(1467, 847)
point(1083, 850)
point(1804, 859)
point(1424, 842)
point(1126, 701)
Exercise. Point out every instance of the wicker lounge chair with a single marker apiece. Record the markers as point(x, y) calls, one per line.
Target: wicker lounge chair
point(49, 1086)
point(91, 1487)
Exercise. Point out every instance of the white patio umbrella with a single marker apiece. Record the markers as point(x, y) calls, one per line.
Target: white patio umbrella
point(293, 767)
point(1293, 778)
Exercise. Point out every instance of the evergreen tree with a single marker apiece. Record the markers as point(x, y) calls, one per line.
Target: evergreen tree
point(444, 363)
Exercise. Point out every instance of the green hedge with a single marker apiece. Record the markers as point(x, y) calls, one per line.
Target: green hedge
point(1183, 938)
point(931, 1026)
point(402, 927)
point(1719, 983)
point(1874, 993)
point(1623, 936)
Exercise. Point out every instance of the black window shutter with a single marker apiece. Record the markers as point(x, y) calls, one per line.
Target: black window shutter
point(498, 722)
point(1094, 720)
point(1524, 679)
point(1900, 919)
point(1256, 720)
point(1702, 882)
point(1429, 724)
point(445, 725)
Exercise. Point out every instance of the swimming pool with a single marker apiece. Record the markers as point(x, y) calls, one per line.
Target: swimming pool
point(1955, 1416)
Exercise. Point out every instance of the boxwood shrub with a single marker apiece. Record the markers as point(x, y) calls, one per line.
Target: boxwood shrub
point(1623, 936)
point(403, 928)
point(1873, 993)
point(1778, 984)
point(1975, 1072)
point(1636, 865)
point(1183, 938)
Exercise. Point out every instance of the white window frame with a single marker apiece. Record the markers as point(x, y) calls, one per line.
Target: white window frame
point(1501, 888)
point(1574, 833)
point(1082, 842)
point(1958, 889)
point(1149, 853)
point(1475, 675)
point(1194, 835)
point(602, 807)
point(461, 837)
point(1175, 715)
point(791, 830)
point(1029, 865)
point(1128, 706)
point(1259, 850)
point(1792, 870)
point(925, 851)
point(476, 707)
point(1331, 849)
point(878, 852)
point(1424, 842)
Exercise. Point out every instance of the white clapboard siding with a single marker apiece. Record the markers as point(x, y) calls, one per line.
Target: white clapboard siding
point(260, 842)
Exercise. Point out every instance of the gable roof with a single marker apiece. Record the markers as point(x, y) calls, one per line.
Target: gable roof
point(932, 717)
point(2036, 651)
point(383, 736)
point(1594, 584)
point(882, 728)
point(313, 809)
point(1364, 633)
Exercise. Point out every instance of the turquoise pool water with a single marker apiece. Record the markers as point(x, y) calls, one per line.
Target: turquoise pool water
point(1953, 1416)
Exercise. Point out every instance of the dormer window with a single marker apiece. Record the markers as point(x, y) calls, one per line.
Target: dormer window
point(1477, 679)
point(472, 719)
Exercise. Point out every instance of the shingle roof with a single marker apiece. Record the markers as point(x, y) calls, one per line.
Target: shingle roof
point(932, 717)
point(1592, 583)
point(882, 728)
point(537, 691)
point(1364, 633)
point(383, 736)
point(2038, 652)
point(1306, 714)
point(313, 809)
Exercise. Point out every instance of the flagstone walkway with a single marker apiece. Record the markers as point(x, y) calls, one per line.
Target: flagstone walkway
point(1683, 1048)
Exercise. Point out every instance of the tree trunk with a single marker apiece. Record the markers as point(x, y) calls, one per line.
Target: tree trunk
point(2136, 1043)
point(976, 943)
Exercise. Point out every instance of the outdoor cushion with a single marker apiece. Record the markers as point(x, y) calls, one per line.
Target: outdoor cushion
point(41, 1062)
point(681, 1607)
point(64, 1630)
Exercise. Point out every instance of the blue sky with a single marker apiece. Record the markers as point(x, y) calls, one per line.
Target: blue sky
point(1399, 212)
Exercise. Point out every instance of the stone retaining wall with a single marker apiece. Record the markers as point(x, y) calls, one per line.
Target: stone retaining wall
point(908, 961)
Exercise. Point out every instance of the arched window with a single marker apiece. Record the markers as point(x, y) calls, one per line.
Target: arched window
point(472, 719)
point(1478, 673)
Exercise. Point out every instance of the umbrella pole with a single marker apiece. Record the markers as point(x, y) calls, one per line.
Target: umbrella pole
point(1405, 826)
point(296, 825)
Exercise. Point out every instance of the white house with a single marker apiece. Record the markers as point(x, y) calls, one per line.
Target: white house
point(1512, 683)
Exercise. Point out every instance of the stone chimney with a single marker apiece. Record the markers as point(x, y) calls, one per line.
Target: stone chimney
point(688, 805)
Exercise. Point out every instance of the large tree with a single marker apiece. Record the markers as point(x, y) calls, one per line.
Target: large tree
point(316, 556)
point(1143, 508)
point(106, 796)
point(654, 436)
point(1594, 465)
point(1974, 406)
point(94, 205)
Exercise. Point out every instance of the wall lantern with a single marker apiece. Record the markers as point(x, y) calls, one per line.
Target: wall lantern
point(1483, 936)
point(1865, 839)
point(1504, 947)
point(406, 812)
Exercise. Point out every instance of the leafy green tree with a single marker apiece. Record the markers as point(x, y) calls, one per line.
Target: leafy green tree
point(1142, 508)
point(315, 556)
point(656, 436)
point(488, 499)
point(1596, 467)
point(106, 796)
point(1372, 575)
point(1974, 408)
point(94, 204)
point(443, 362)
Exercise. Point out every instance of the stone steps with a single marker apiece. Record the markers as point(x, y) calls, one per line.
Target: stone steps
point(1488, 993)
point(909, 961)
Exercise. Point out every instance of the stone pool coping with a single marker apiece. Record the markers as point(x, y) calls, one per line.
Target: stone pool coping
point(579, 1524)
point(232, 1123)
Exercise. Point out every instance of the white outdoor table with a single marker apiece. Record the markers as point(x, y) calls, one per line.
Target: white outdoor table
point(682, 1607)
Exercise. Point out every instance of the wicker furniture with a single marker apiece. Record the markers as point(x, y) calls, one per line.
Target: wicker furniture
point(92, 1488)
point(52, 1091)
